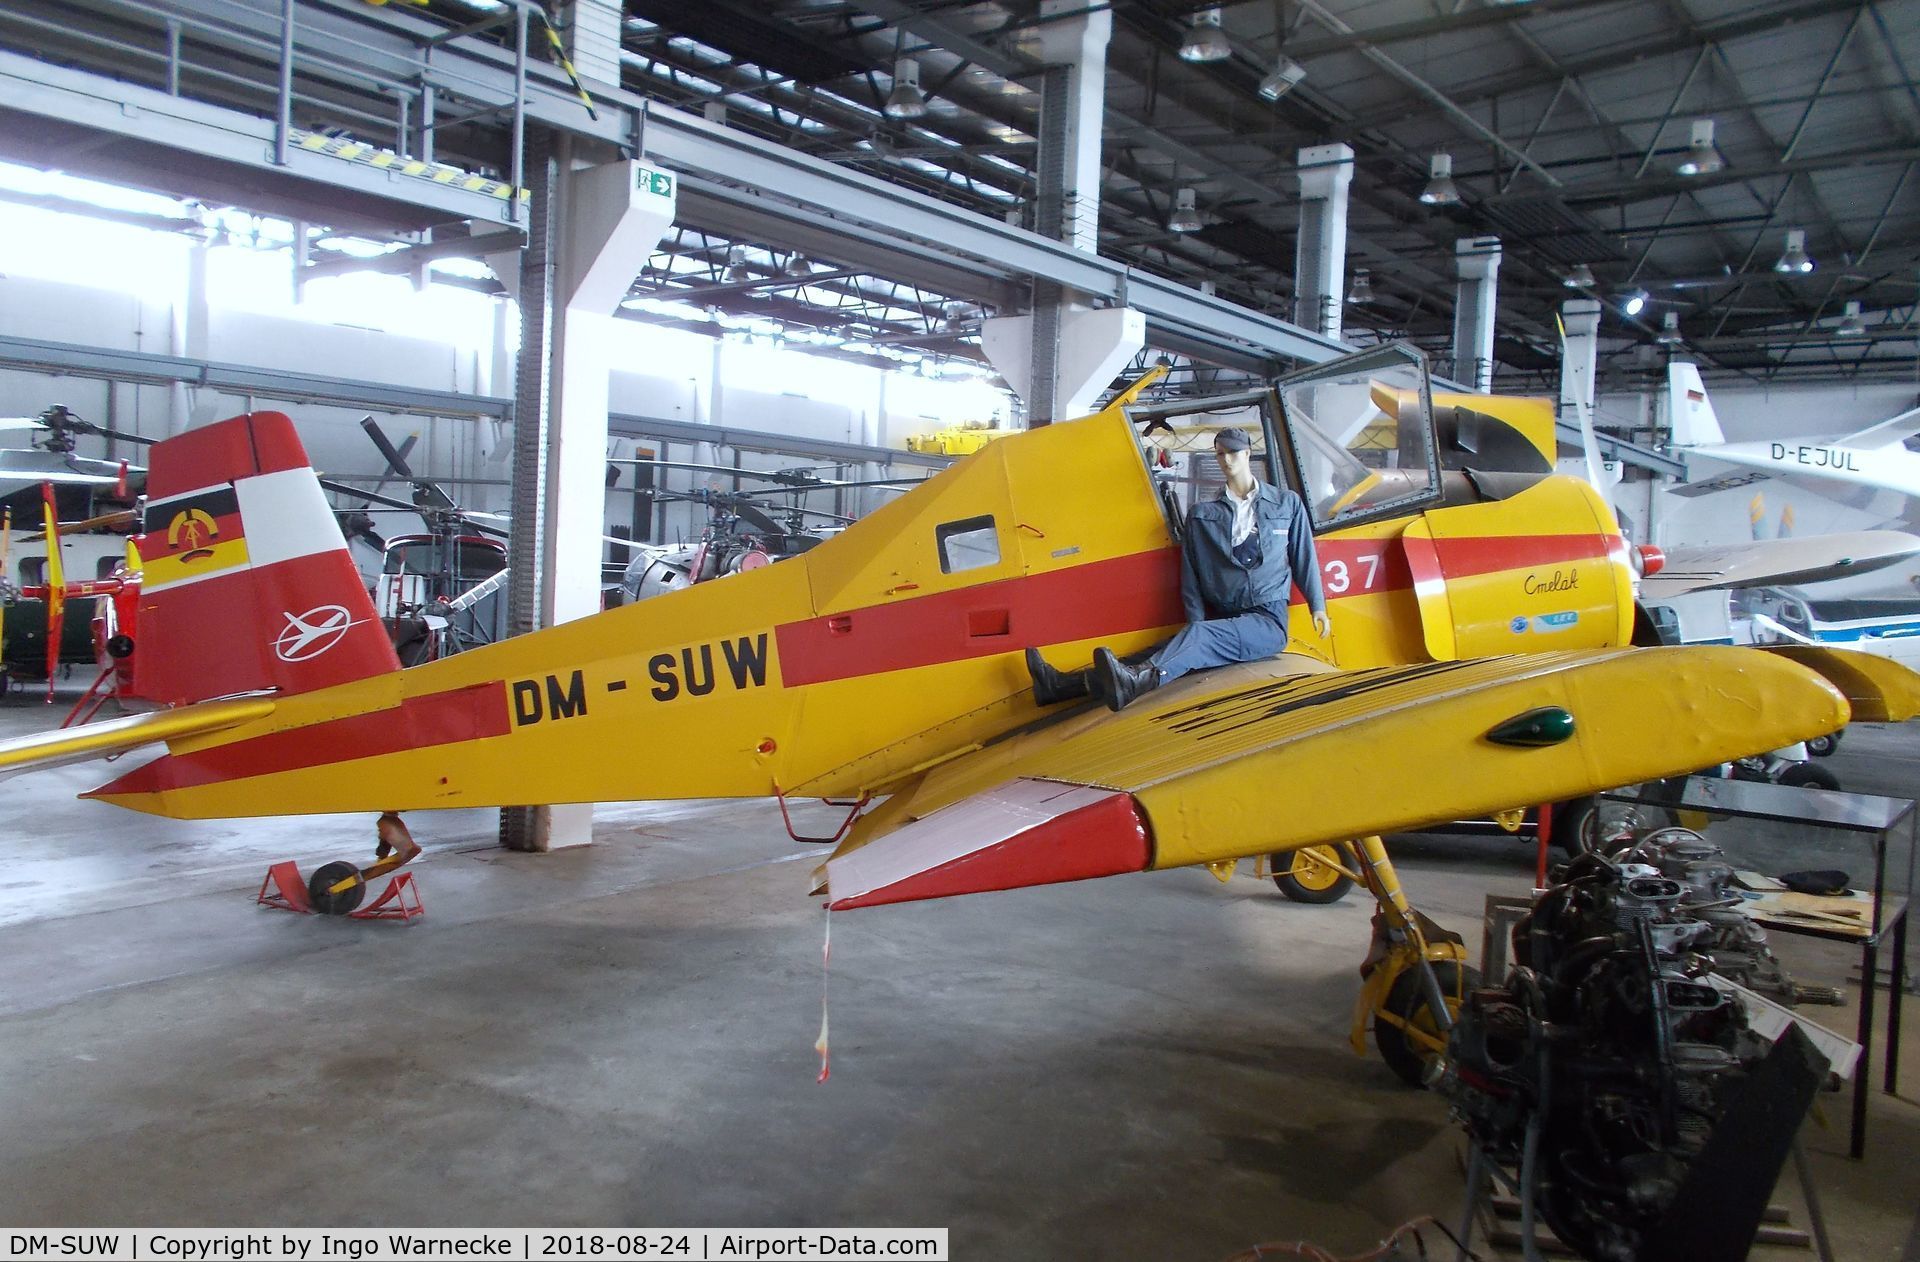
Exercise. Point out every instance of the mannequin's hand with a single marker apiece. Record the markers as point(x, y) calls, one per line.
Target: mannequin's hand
point(1323, 625)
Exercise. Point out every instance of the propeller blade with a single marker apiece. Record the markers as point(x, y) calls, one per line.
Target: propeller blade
point(396, 458)
point(371, 497)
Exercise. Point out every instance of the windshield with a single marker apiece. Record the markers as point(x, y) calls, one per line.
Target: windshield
point(1362, 434)
point(477, 560)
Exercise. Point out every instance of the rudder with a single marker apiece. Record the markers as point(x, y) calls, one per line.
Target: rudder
point(246, 581)
point(1689, 411)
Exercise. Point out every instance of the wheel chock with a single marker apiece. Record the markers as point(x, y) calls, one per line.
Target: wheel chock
point(285, 889)
point(288, 889)
point(394, 902)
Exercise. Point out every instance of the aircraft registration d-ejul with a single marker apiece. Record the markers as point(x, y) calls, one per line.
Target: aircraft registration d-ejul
point(1480, 661)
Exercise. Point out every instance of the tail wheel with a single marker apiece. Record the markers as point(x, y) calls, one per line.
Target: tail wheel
point(324, 878)
point(1407, 1000)
point(1311, 874)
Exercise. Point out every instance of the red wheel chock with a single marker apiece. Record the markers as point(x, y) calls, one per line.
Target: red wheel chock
point(284, 888)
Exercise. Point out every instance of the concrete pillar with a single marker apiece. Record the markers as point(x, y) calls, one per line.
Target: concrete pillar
point(1073, 39)
point(1094, 346)
point(1320, 257)
point(1478, 261)
point(591, 231)
point(590, 30)
point(189, 334)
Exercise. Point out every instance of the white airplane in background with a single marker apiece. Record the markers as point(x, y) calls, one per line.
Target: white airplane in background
point(1876, 456)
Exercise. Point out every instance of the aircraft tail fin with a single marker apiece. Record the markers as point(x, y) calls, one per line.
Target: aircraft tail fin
point(1689, 410)
point(246, 582)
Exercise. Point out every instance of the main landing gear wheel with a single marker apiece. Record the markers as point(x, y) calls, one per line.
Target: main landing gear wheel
point(324, 878)
point(1407, 1000)
point(1823, 746)
point(1804, 775)
point(1311, 874)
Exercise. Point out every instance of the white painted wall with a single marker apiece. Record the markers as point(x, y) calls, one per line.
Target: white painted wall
point(374, 328)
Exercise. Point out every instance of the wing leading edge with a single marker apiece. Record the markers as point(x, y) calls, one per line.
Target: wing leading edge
point(1275, 755)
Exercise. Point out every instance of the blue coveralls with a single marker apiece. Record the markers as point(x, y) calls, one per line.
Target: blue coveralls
point(1236, 598)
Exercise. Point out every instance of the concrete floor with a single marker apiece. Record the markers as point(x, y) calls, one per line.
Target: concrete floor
point(622, 1034)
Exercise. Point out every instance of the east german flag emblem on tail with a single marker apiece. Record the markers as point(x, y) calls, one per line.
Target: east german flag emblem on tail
point(190, 537)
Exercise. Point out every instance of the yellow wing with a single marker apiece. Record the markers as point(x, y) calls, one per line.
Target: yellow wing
point(1286, 753)
point(113, 736)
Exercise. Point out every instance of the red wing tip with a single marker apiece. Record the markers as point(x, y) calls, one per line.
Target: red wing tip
point(1091, 833)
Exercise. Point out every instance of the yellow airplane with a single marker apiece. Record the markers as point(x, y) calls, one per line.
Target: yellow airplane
point(1479, 663)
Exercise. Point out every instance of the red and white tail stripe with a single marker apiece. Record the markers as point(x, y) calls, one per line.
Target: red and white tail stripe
point(247, 584)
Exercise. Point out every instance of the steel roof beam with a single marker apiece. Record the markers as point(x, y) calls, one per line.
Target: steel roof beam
point(31, 355)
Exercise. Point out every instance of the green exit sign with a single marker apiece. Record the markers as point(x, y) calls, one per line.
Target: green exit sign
point(659, 183)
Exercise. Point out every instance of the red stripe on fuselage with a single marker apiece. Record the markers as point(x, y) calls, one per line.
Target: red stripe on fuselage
point(443, 718)
point(1102, 598)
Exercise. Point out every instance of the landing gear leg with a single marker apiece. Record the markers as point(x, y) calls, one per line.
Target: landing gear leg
point(337, 888)
point(1415, 975)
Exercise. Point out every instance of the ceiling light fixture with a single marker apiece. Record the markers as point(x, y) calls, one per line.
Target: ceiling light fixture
point(1702, 158)
point(1669, 334)
point(1795, 258)
point(736, 267)
point(906, 100)
point(1362, 288)
point(1185, 217)
point(1440, 189)
point(1205, 40)
point(1579, 276)
point(1851, 325)
point(1283, 78)
point(797, 266)
point(1633, 303)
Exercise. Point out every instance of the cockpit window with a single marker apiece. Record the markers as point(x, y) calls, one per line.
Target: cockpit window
point(970, 544)
point(1362, 434)
point(1176, 440)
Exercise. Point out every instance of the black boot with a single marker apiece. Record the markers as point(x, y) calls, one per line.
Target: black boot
point(1119, 684)
point(1050, 686)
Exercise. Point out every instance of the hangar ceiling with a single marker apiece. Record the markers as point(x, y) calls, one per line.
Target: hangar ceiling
point(1566, 123)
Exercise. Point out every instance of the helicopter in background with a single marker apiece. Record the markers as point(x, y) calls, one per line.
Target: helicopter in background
point(92, 496)
point(744, 530)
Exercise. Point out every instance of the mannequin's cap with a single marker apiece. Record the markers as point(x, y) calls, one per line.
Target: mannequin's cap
point(1232, 438)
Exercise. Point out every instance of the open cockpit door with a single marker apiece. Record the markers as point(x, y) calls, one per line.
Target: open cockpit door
point(1358, 435)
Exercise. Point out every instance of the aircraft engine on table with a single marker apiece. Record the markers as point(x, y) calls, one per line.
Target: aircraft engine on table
point(1605, 1068)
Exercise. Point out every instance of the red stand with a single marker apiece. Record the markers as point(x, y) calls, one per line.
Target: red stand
point(284, 888)
point(396, 894)
point(289, 889)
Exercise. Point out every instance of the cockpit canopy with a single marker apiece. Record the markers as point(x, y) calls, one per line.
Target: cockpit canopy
point(1355, 437)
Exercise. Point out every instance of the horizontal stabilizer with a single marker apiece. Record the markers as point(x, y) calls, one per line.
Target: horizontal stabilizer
point(115, 736)
point(1888, 433)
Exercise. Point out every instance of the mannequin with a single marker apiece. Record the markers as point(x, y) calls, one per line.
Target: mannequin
point(1246, 551)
